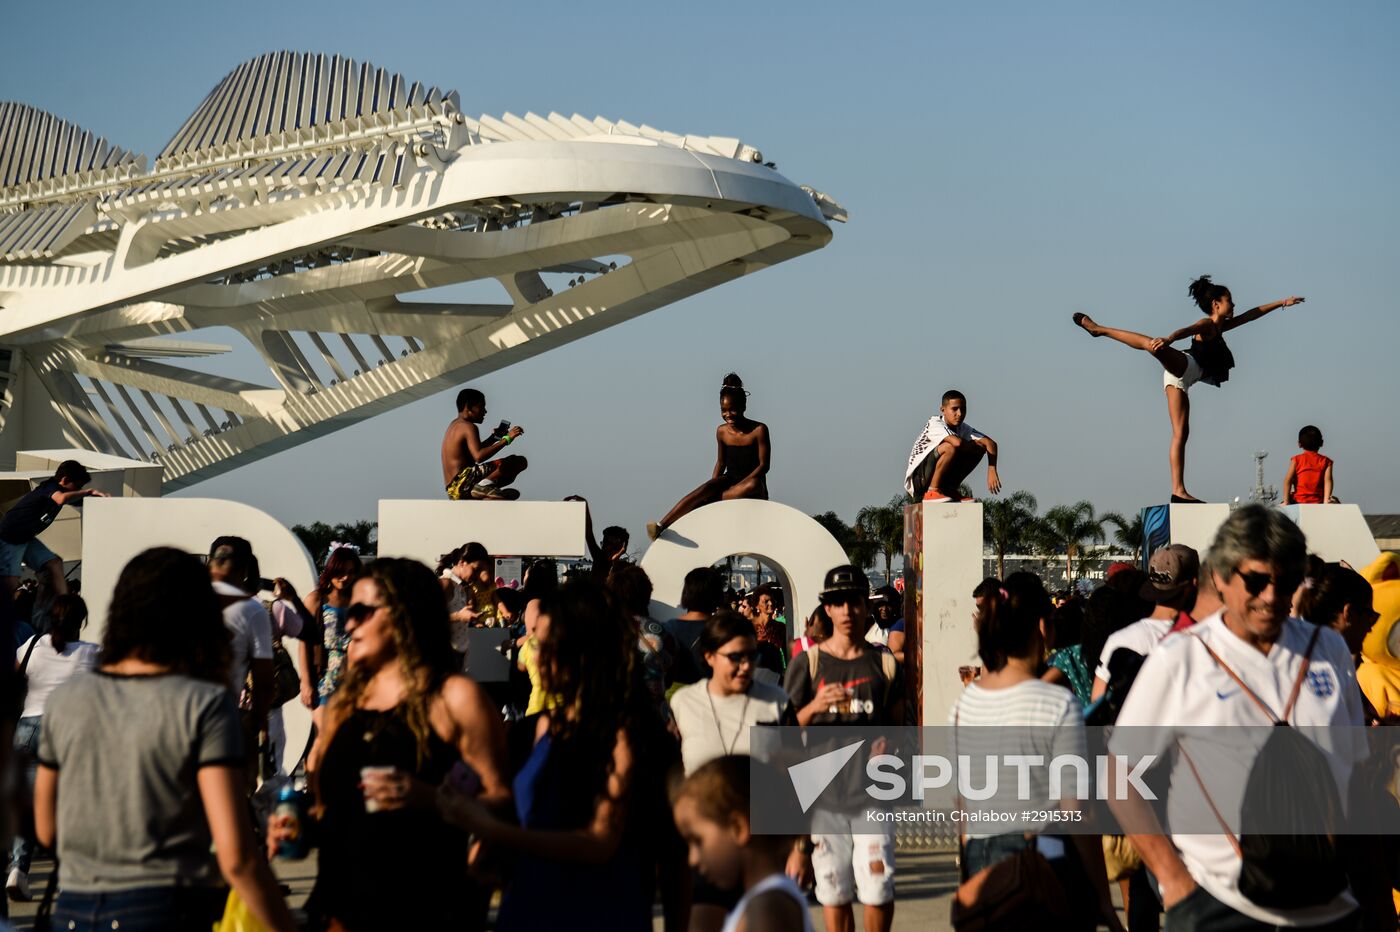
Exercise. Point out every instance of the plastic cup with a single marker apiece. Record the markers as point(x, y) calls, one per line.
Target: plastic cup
point(367, 775)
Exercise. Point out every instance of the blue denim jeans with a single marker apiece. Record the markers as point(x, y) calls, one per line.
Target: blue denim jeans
point(146, 909)
point(26, 746)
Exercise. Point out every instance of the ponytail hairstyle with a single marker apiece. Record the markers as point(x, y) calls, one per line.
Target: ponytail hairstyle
point(733, 390)
point(1008, 625)
point(1205, 292)
point(69, 613)
point(472, 552)
point(1331, 589)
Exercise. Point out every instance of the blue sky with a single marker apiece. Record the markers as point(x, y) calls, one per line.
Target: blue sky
point(1004, 165)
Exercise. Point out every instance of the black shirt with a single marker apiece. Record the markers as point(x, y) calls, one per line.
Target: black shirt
point(29, 516)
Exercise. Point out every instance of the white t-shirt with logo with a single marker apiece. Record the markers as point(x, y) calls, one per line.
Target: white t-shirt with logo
point(1181, 688)
point(1140, 637)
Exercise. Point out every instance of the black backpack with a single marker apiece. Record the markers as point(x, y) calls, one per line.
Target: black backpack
point(1291, 790)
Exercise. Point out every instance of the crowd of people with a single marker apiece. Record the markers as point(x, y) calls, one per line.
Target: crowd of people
point(1183, 660)
point(609, 776)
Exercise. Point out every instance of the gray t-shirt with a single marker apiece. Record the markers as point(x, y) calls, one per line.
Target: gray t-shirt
point(127, 750)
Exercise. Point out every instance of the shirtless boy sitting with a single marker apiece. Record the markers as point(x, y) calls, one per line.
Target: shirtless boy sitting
point(467, 468)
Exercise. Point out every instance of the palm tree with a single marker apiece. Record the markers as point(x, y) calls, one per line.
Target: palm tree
point(859, 551)
point(1009, 525)
point(1066, 529)
point(1127, 534)
point(883, 527)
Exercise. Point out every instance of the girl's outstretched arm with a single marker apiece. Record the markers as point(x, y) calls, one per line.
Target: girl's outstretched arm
point(1205, 327)
point(1258, 312)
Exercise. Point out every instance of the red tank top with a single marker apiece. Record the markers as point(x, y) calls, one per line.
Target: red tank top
point(1309, 469)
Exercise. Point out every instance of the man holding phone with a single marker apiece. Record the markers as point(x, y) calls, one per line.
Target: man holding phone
point(467, 468)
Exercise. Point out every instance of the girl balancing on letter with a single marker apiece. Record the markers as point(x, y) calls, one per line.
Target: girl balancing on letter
point(742, 464)
point(1207, 359)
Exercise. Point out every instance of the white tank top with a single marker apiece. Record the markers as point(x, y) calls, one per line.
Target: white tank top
point(772, 882)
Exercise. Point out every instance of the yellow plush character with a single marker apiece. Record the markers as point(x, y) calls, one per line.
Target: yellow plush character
point(1379, 674)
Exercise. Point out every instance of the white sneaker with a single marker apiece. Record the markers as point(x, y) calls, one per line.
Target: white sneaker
point(17, 886)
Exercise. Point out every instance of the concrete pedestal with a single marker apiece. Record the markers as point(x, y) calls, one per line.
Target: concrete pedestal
point(1334, 532)
point(942, 565)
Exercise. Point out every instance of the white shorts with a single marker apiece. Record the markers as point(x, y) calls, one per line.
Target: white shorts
point(1190, 377)
point(851, 867)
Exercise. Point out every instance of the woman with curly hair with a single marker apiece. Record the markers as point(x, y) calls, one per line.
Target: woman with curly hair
point(1206, 359)
point(403, 721)
point(141, 766)
point(595, 832)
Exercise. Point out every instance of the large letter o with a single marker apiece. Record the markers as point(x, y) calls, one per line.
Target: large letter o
point(797, 546)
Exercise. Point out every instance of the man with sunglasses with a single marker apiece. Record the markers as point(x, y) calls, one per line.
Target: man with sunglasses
point(1227, 670)
point(845, 680)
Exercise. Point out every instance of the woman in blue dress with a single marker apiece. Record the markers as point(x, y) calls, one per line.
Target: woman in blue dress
point(595, 837)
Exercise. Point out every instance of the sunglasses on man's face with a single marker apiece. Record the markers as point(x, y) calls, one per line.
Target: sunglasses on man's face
point(1255, 583)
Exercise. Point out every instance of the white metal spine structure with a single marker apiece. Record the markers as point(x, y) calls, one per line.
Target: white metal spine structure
point(303, 197)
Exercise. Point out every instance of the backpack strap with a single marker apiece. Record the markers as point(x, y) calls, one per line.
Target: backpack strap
point(1302, 672)
point(1287, 710)
point(1234, 842)
point(813, 657)
point(33, 643)
point(888, 666)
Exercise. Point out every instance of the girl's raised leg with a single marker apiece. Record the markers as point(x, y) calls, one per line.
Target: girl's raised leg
point(1172, 359)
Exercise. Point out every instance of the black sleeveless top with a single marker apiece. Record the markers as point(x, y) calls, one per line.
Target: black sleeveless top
point(740, 461)
point(1214, 358)
point(395, 869)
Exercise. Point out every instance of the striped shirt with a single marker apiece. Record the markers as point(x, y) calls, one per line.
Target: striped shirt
point(1030, 718)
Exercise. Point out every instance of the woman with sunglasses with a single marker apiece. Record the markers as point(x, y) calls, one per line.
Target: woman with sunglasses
point(714, 717)
point(141, 767)
point(403, 721)
point(594, 834)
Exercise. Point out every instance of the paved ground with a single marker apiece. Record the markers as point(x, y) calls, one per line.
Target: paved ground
point(924, 885)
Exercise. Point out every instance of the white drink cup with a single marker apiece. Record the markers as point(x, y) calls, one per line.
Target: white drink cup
point(370, 775)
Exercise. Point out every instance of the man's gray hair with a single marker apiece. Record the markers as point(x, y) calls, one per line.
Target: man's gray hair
point(1258, 532)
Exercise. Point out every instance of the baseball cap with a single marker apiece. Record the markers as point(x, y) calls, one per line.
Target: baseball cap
point(1170, 570)
point(844, 579)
